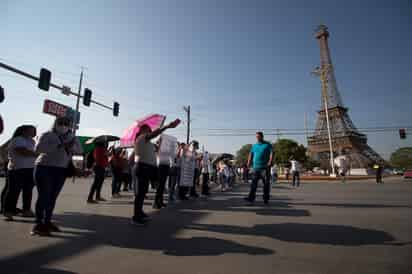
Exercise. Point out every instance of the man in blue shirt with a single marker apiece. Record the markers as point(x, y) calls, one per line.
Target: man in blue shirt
point(261, 156)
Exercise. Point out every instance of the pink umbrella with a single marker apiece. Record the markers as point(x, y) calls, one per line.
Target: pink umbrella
point(154, 121)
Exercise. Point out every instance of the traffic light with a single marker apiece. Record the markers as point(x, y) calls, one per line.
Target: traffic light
point(402, 133)
point(87, 97)
point(44, 79)
point(1, 94)
point(116, 109)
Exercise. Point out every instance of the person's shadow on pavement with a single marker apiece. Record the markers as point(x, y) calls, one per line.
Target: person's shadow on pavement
point(307, 233)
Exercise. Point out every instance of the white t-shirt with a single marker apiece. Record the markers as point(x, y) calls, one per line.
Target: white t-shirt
point(17, 161)
point(144, 151)
point(295, 165)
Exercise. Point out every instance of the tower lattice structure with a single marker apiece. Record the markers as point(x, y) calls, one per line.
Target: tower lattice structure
point(346, 139)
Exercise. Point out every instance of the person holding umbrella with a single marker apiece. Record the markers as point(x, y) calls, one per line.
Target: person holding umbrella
point(145, 154)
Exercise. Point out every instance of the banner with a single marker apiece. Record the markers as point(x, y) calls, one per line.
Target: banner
point(187, 169)
point(168, 145)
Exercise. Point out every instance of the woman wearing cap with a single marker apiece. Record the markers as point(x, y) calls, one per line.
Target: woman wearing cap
point(56, 148)
point(146, 162)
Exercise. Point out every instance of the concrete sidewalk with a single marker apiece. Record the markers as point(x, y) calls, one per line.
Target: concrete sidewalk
point(317, 228)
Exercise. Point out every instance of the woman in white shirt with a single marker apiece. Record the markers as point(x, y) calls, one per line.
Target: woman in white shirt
point(21, 157)
point(274, 174)
point(56, 148)
point(146, 170)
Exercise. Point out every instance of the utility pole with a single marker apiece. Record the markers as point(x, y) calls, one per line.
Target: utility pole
point(323, 73)
point(187, 110)
point(78, 100)
point(305, 121)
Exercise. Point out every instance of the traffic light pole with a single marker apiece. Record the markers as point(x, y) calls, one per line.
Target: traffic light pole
point(61, 88)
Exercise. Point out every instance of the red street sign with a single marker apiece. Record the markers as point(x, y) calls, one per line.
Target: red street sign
point(54, 108)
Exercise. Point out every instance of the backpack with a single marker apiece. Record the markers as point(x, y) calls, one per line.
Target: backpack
point(90, 160)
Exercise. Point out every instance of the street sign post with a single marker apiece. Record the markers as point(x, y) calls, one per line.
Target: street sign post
point(56, 109)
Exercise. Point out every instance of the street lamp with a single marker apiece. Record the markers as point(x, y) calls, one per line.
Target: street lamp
point(323, 73)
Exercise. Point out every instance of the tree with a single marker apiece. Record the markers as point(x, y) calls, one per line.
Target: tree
point(402, 158)
point(285, 148)
point(310, 164)
point(243, 154)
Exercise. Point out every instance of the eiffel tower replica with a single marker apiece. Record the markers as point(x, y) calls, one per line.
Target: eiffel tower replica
point(346, 139)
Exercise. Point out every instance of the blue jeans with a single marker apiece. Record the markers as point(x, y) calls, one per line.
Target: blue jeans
point(49, 181)
point(264, 175)
point(274, 178)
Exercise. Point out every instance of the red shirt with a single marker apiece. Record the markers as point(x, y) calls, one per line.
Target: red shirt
point(100, 157)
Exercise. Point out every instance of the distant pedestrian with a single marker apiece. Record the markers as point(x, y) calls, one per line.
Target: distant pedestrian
point(224, 176)
point(260, 157)
point(56, 148)
point(21, 157)
point(196, 177)
point(295, 169)
point(133, 171)
point(342, 165)
point(182, 190)
point(378, 169)
point(287, 174)
point(101, 162)
point(206, 170)
point(274, 174)
point(163, 160)
point(126, 171)
point(116, 165)
point(174, 176)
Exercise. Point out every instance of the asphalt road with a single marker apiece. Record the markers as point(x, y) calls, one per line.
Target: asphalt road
point(359, 227)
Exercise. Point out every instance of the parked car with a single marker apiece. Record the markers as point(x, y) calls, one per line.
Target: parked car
point(398, 172)
point(407, 174)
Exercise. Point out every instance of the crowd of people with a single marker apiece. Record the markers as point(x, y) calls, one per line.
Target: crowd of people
point(48, 162)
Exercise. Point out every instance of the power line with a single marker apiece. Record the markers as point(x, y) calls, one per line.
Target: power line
point(277, 133)
point(244, 130)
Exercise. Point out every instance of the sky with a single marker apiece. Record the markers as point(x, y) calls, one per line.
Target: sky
point(238, 64)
